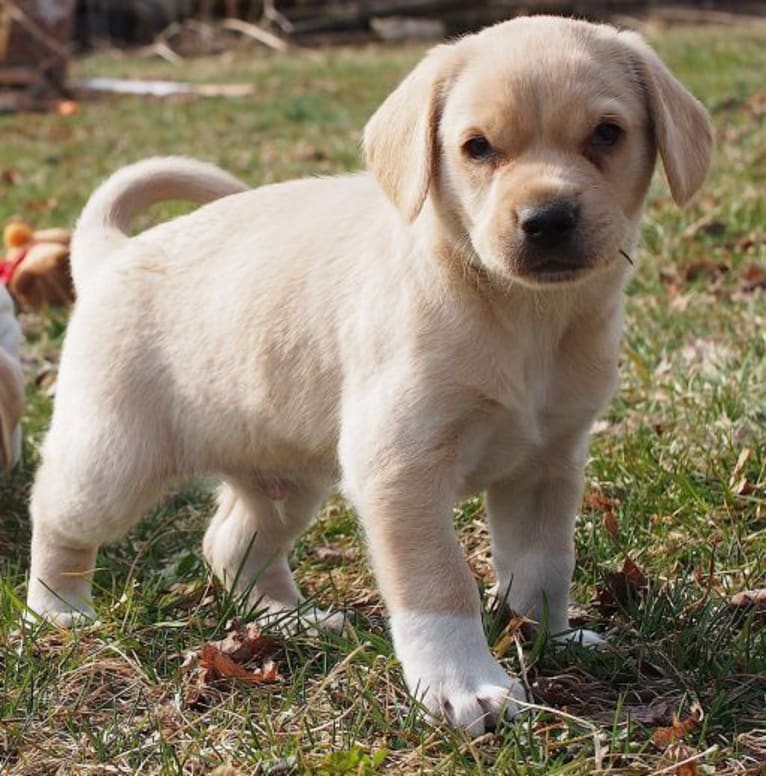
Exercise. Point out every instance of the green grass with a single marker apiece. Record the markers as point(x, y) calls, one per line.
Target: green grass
point(109, 698)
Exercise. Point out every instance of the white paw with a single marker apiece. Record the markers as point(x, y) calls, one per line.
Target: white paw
point(56, 611)
point(581, 636)
point(449, 669)
point(302, 619)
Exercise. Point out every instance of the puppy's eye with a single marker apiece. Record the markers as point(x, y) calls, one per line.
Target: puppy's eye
point(478, 148)
point(606, 134)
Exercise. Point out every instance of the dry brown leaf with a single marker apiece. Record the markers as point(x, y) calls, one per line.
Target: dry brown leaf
point(596, 501)
point(610, 525)
point(211, 668)
point(634, 574)
point(621, 586)
point(753, 278)
point(10, 176)
point(599, 502)
point(687, 769)
point(663, 737)
point(223, 667)
point(245, 642)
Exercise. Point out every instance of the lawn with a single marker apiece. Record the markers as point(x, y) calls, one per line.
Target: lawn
point(672, 527)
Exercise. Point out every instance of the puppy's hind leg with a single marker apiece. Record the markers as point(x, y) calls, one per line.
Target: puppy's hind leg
point(248, 542)
point(91, 487)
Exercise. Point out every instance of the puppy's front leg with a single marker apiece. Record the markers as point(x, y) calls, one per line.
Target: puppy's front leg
point(406, 509)
point(531, 519)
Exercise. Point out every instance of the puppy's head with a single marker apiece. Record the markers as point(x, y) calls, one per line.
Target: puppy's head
point(535, 141)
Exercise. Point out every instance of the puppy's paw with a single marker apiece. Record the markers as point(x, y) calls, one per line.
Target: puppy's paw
point(449, 669)
point(302, 619)
point(58, 612)
point(581, 636)
point(318, 620)
point(477, 708)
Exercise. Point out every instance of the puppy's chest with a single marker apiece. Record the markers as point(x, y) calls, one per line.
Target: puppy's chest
point(537, 401)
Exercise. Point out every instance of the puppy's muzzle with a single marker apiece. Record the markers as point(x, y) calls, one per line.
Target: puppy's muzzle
point(552, 242)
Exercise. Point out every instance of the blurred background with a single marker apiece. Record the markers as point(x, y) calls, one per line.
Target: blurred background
point(39, 37)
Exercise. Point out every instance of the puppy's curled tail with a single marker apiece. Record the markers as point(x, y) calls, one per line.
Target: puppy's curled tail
point(110, 210)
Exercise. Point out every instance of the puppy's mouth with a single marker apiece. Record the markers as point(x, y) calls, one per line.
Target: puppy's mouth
point(554, 272)
point(543, 267)
point(557, 270)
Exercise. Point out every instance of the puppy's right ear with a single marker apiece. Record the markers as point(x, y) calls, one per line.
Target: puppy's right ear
point(400, 140)
point(681, 124)
point(11, 408)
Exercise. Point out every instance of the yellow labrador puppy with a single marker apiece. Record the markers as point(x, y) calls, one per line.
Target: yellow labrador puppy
point(445, 324)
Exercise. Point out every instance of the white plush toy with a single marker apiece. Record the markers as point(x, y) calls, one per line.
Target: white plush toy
point(11, 383)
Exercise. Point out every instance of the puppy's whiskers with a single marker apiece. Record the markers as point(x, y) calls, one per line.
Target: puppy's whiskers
point(626, 256)
point(461, 252)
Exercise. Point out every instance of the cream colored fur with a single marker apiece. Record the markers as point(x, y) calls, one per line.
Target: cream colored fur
point(380, 330)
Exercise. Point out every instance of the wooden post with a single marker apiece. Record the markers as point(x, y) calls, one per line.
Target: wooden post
point(35, 38)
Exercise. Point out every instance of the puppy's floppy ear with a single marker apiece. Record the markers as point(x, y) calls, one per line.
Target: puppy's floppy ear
point(11, 407)
point(400, 140)
point(682, 128)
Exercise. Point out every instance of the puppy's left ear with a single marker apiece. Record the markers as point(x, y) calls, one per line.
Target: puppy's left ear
point(681, 123)
point(400, 140)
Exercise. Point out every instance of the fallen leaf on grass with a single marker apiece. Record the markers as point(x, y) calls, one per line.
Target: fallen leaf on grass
point(753, 278)
point(245, 642)
point(610, 525)
point(687, 769)
point(621, 587)
point(215, 664)
point(221, 666)
point(596, 501)
point(680, 759)
point(10, 176)
point(599, 502)
point(663, 737)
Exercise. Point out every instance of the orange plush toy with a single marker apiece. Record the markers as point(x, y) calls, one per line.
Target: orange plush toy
point(36, 267)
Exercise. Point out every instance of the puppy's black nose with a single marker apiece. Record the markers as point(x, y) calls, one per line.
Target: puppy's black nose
point(549, 225)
